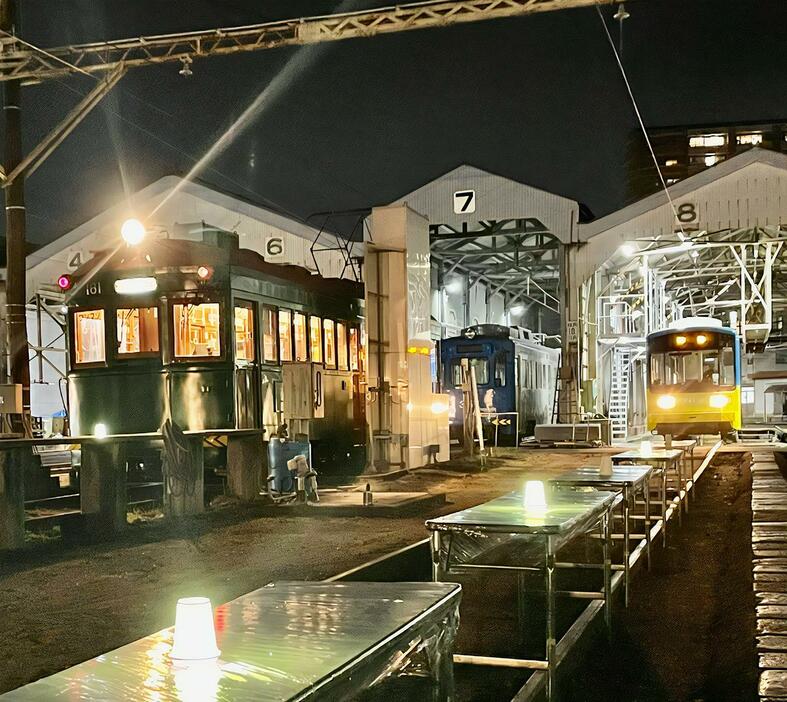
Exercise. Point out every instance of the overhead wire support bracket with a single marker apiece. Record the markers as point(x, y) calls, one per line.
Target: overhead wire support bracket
point(19, 61)
point(51, 141)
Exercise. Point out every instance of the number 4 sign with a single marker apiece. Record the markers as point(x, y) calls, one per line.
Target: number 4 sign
point(464, 201)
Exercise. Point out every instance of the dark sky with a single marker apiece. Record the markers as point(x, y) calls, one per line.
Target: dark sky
point(361, 122)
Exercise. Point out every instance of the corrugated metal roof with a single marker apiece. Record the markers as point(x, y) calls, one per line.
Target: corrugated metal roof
point(682, 189)
point(496, 197)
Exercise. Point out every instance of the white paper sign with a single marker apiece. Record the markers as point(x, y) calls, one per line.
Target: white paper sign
point(464, 202)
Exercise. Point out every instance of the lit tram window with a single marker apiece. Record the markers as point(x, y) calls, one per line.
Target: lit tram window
point(753, 139)
point(329, 337)
point(354, 360)
point(285, 335)
point(137, 331)
point(244, 332)
point(270, 352)
point(301, 342)
point(341, 346)
point(315, 339)
point(89, 346)
point(197, 330)
point(703, 140)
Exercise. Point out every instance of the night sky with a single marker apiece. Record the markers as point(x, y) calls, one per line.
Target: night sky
point(359, 123)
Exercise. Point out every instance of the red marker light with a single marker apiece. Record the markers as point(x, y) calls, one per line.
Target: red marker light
point(203, 272)
point(64, 282)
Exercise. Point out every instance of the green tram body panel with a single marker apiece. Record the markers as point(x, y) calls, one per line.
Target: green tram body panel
point(132, 395)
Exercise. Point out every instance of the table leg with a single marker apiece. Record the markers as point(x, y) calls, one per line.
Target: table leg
point(606, 539)
point(626, 540)
point(443, 677)
point(520, 602)
point(550, 642)
point(679, 473)
point(688, 473)
point(647, 519)
point(664, 504)
point(436, 543)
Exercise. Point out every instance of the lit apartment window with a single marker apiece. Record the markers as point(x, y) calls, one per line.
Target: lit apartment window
point(672, 181)
point(750, 139)
point(747, 396)
point(712, 159)
point(707, 140)
point(671, 162)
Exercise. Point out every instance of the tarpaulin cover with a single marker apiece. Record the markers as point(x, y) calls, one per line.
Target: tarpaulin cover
point(286, 641)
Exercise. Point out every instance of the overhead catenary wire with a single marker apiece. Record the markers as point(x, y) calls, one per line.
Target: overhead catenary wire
point(682, 233)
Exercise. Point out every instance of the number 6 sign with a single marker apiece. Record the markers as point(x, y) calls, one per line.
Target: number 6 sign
point(274, 248)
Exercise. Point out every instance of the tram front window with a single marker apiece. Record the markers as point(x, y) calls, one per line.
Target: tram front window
point(196, 330)
point(481, 366)
point(89, 337)
point(137, 331)
point(712, 367)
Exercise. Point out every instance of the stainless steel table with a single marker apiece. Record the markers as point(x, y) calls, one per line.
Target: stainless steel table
point(459, 540)
point(630, 481)
point(662, 460)
point(287, 641)
point(687, 446)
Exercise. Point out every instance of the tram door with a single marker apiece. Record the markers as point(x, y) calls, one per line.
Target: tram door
point(246, 366)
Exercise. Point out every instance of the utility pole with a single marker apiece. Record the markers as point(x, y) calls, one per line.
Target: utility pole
point(15, 226)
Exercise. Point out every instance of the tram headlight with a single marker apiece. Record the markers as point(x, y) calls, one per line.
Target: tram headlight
point(718, 401)
point(666, 402)
point(100, 431)
point(701, 339)
point(680, 340)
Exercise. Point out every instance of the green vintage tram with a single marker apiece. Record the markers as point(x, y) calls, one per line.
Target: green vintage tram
point(198, 330)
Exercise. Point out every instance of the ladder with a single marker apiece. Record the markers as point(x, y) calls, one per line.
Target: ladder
point(556, 398)
point(619, 394)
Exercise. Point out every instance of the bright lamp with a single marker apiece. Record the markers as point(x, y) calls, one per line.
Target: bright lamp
point(132, 231)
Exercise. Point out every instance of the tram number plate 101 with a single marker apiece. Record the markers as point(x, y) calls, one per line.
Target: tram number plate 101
point(92, 289)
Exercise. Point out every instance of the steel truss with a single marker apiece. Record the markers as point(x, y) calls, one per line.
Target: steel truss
point(743, 271)
point(517, 257)
point(18, 60)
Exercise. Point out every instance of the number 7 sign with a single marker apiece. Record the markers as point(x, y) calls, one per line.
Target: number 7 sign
point(464, 201)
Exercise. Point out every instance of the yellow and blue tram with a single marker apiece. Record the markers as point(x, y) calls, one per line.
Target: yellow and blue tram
point(694, 379)
point(198, 331)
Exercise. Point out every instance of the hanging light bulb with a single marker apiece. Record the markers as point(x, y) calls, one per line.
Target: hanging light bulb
point(621, 14)
point(186, 71)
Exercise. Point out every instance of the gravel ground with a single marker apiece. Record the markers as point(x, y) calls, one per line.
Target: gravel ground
point(61, 604)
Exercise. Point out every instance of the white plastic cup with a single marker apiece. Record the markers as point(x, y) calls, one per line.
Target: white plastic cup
point(195, 636)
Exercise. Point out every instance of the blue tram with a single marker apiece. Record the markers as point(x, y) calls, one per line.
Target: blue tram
point(514, 373)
